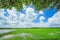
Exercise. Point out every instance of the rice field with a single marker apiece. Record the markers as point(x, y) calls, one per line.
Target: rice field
point(32, 34)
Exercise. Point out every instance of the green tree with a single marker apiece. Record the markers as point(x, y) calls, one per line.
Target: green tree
point(39, 4)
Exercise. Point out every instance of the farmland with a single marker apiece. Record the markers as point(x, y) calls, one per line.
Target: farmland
point(32, 34)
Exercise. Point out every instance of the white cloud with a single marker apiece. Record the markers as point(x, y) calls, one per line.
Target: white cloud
point(42, 18)
point(52, 22)
point(2, 13)
point(41, 12)
point(55, 20)
point(13, 11)
point(15, 21)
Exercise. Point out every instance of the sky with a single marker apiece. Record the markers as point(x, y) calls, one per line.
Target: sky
point(29, 17)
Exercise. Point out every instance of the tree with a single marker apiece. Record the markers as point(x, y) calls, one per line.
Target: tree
point(39, 4)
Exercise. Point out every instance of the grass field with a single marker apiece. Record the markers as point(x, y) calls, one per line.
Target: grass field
point(32, 34)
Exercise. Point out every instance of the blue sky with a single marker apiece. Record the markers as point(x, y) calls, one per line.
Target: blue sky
point(47, 13)
point(27, 14)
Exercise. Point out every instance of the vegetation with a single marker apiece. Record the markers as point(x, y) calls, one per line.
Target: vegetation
point(41, 33)
point(39, 4)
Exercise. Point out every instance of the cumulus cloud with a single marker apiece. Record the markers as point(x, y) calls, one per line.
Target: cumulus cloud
point(2, 13)
point(42, 18)
point(55, 20)
point(25, 20)
point(52, 22)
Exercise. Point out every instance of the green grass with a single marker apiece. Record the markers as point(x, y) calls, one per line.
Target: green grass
point(38, 33)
